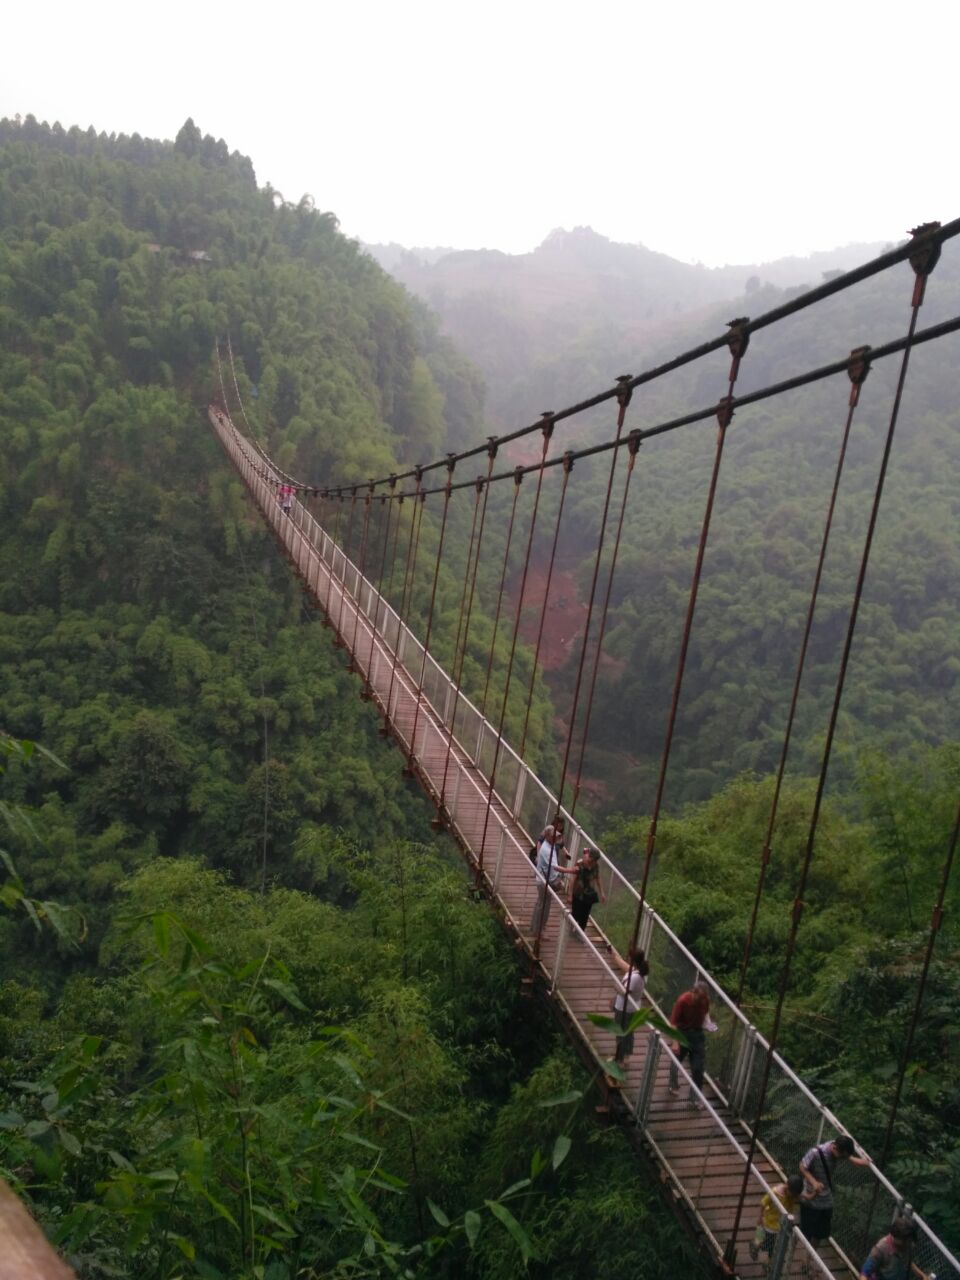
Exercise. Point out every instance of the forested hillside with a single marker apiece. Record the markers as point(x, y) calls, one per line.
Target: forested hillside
point(543, 326)
point(251, 1021)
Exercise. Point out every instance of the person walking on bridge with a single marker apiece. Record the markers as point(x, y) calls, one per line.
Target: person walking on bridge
point(549, 872)
point(691, 1014)
point(819, 1167)
point(892, 1257)
point(586, 887)
point(635, 969)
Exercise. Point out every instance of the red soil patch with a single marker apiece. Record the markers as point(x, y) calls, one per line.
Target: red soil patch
point(565, 618)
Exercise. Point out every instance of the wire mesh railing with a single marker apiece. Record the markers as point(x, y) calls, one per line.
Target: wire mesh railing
point(450, 727)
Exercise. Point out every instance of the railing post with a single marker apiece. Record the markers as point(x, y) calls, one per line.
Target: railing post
point(565, 928)
point(500, 852)
point(648, 1079)
point(782, 1248)
point(743, 1068)
point(646, 929)
point(518, 794)
point(456, 791)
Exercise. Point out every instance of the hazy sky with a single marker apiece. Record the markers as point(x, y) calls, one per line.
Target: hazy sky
point(714, 132)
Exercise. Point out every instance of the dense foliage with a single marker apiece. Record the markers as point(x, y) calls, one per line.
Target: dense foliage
point(251, 1020)
point(251, 1023)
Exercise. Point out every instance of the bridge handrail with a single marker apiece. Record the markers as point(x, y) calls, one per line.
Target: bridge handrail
point(653, 924)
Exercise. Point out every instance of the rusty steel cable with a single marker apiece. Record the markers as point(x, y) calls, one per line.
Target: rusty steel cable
point(411, 755)
point(386, 518)
point(347, 547)
point(416, 516)
point(838, 284)
point(541, 914)
point(923, 258)
point(567, 469)
point(858, 370)
point(895, 347)
point(517, 479)
point(633, 446)
point(547, 436)
point(738, 340)
point(622, 404)
point(361, 571)
point(936, 920)
point(485, 487)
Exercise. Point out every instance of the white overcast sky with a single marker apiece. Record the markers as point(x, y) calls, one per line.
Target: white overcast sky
point(732, 131)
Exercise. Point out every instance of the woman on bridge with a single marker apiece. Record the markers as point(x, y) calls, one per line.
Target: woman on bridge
point(586, 888)
point(635, 970)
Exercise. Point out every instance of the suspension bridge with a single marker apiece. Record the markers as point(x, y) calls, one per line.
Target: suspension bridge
point(754, 1117)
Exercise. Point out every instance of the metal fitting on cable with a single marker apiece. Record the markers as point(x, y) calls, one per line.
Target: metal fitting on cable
point(924, 256)
point(518, 474)
point(634, 440)
point(725, 410)
point(492, 447)
point(451, 463)
point(418, 473)
point(568, 459)
point(479, 483)
point(857, 371)
point(393, 480)
point(738, 339)
point(548, 423)
point(624, 389)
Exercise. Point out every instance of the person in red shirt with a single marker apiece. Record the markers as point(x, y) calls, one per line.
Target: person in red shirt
point(690, 1012)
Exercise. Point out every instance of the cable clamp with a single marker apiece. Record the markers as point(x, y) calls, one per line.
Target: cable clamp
point(924, 256)
point(738, 336)
point(568, 459)
point(418, 474)
point(634, 441)
point(624, 389)
point(492, 447)
point(857, 370)
point(480, 482)
point(725, 411)
point(548, 423)
point(393, 480)
point(518, 474)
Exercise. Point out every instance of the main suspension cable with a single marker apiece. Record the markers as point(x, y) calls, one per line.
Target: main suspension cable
point(838, 284)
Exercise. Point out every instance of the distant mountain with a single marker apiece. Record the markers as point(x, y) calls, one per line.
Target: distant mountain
point(578, 294)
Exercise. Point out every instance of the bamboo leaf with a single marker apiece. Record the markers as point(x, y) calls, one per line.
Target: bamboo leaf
point(520, 1237)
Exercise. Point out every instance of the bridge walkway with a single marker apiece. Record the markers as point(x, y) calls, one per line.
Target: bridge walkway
point(450, 747)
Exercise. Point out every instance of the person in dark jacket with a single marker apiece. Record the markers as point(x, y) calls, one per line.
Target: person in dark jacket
point(690, 1014)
